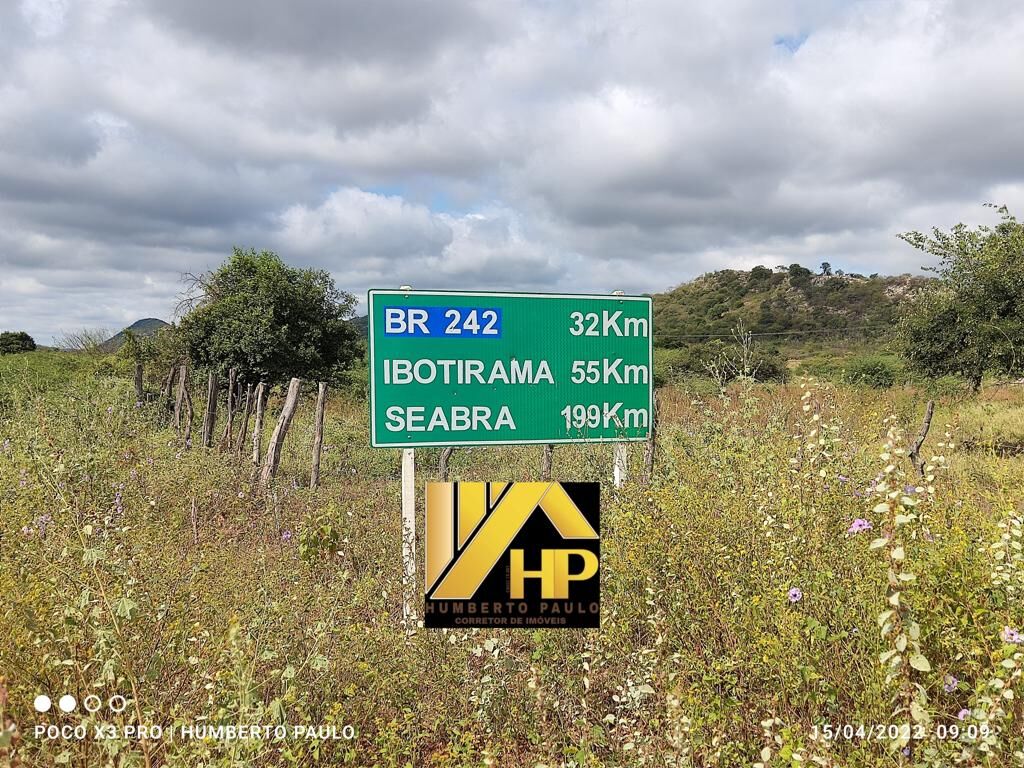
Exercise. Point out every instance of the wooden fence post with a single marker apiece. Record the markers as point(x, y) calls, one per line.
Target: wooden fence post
point(257, 428)
point(140, 392)
point(443, 470)
point(229, 423)
point(168, 388)
point(318, 434)
point(273, 458)
point(914, 452)
point(179, 401)
point(652, 438)
point(244, 431)
point(546, 460)
point(190, 412)
point(210, 417)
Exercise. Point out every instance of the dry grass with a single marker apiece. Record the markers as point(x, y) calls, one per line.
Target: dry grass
point(287, 608)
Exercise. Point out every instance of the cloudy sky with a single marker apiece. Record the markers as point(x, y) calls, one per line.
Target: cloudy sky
point(577, 145)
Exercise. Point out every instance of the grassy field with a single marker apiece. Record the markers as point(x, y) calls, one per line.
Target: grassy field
point(746, 617)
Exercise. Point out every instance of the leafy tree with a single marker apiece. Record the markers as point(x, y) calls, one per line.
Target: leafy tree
point(134, 348)
point(797, 271)
point(826, 268)
point(12, 342)
point(971, 321)
point(269, 320)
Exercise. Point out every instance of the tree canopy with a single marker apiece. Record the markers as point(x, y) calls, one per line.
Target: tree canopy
point(12, 342)
point(971, 321)
point(269, 320)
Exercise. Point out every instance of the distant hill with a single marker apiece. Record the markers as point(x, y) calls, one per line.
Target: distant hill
point(142, 328)
point(791, 302)
point(362, 325)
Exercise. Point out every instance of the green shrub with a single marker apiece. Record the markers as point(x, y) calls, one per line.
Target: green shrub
point(12, 342)
point(875, 371)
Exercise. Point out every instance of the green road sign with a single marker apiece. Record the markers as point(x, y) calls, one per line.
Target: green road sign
point(467, 368)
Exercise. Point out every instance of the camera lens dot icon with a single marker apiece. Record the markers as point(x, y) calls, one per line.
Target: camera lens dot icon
point(42, 703)
point(67, 703)
point(117, 703)
point(92, 703)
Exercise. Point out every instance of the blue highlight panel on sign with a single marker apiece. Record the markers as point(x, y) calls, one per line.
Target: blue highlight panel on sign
point(443, 322)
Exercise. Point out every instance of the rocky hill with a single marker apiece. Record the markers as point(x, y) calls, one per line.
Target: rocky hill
point(788, 302)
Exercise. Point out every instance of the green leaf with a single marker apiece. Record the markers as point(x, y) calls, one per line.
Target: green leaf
point(920, 663)
point(125, 608)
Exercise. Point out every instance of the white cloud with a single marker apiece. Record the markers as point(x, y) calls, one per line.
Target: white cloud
point(573, 146)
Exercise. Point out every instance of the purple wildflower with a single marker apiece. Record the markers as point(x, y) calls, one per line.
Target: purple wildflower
point(286, 536)
point(859, 526)
point(795, 594)
point(1010, 635)
point(963, 714)
point(138, 403)
point(949, 683)
point(110, 409)
point(133, 475)
point(843, 479)
point(906, 751)
point(27, 531)
point(908, 489)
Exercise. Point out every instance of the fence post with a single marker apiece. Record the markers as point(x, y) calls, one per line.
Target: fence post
point(408, 534)
point(273, 457)
point(165, 393)
point(914, 452)
point(179, 401)
point(318, 433)
point(229, 424)
point(257, 428)
point(190, 412)
point(546, 459)
point(245, 420)
point(442, 463)
point(652, 438)
point(210, 417)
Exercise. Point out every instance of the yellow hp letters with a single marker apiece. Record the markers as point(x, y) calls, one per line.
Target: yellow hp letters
point(553, 574)
point(471, 525)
